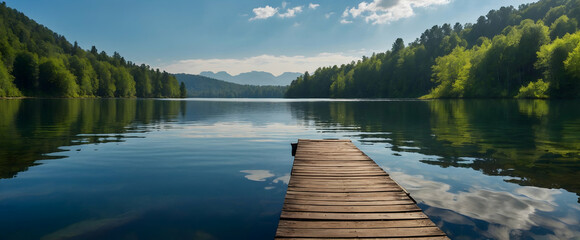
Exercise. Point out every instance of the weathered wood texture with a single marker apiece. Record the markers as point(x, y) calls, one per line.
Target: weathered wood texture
point(336, 191)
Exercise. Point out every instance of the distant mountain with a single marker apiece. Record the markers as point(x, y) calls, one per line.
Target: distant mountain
point(200, 86)
point(254, 78)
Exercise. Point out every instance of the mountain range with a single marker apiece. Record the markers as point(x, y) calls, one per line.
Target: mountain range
point(254, 78)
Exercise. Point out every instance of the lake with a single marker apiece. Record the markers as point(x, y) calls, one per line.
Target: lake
point(219, 168)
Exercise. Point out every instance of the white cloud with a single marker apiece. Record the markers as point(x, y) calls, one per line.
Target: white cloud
point(386, 11)
point(268, 63)
point(345, 13)
point(264, 12)
point(344, 21)
point(291, 12)
point(328, 15)
point(268, 11)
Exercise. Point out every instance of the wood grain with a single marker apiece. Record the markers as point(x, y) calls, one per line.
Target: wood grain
point(337, 191)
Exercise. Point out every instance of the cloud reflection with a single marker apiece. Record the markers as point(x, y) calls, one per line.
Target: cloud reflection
point(262, 175)
point(285, 179)
point(508, 213)
point(257, 175)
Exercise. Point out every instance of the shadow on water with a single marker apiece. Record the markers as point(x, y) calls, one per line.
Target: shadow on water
point(32, 128)
point(533, 142)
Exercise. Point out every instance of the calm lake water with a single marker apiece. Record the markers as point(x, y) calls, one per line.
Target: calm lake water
point(218, 169)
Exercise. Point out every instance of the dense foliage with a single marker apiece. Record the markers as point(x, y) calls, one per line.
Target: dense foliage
point(528, 52)
point(200, 86)
point(35, 61)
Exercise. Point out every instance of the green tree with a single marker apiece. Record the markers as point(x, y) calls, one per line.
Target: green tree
point(56, 80)
point(561, 26)
point(107, 86)
point(25, 72)
point(182, 90)
point(451, 72)
point(85, 75)
point(538, 89)
point(142, 78)
point(398, 45)
point(572, 63)
point(124, 82)
point(7, 86)
point(552, 59)
point(509, 62)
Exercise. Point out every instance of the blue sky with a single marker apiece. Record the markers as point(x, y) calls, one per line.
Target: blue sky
point(245, 35)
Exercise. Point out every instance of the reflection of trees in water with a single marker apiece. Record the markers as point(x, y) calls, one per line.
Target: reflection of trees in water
point(535, 142)
point(32, 128)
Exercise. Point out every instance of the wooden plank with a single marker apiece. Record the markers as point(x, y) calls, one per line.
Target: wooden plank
point(337, 191)
point(344, 190)
point(303, 179)
point(341, 182)
point(349, 203)
point(338, 184)
point(338, 175)
point(315, 169)
point(338, 170)
point(358, 238)
point(345, 180)
point(369, 232)
point(335, 159)
point(350, 209)
point(334, 168)
point(308, 163)
point(329, 156)
point(355, 224)
point(352, 216)
point(379, 178)
point(399, 193)
point(347, 199)
point(338, 188)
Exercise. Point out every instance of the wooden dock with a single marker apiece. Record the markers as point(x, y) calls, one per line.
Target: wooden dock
point(336, 191)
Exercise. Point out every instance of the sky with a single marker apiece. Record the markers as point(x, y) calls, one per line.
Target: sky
point(236, 36)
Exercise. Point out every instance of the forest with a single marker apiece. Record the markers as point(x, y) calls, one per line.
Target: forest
point(200, 86)
point(532, 51)
point(35, 61)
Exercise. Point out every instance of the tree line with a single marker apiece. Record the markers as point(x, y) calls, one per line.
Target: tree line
point(200, 86)
point(528, 52)
point(35, 61)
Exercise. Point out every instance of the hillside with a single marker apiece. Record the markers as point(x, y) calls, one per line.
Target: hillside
point(254, 78)
point(200, 86)
point(35, 61)
point(528, 52)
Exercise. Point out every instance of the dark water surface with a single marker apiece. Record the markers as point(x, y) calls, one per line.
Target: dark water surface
point(218, 169)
